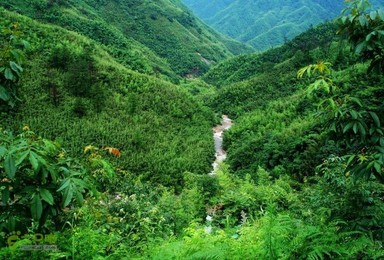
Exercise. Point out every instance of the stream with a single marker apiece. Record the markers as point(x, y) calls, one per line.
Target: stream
point(218, 131)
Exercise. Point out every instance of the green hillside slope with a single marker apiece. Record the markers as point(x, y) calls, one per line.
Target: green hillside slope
point(250, 81)
point(263, 93)
point(75, 92)
point(277, 128)
point(138, 33)
point(120, 165)
point(264, 24)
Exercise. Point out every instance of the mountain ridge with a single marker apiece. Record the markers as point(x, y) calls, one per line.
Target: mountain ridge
point(264, 24)
point(148, 36)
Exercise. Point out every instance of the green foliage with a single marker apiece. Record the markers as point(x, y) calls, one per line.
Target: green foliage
point(290, 56)
point(364, 30)
point(276, 230)
point(264, 25)
point(149, 36)
point(166, 131)
point(157, 201)
point(250, 82)
point(356, 128)
point(87, 243)
point(294, 142)
point(347, 195)
point(37, 181)
point(365, 35)
point(240, 199)
point(127, 221)
point(10, 61)
point(279, 137)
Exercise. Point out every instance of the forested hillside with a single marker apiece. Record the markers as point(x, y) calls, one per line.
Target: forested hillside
point(263, 24)
point(148, 36)
point(109, 111)
point(74, 91)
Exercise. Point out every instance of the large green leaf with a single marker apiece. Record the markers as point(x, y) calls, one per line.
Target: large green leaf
point(4, 94)
point(377, 166)
point(53, 173)
point(33, 160)
point(8, 74)
point(79, 197)
point(369, 36)
point(347, 127)
point(25, 44)
point(356, 101)
point(362, 130)
point(15, 54)
point(5, 195)
point(363, 20)
point(15, 67)
point(355, 126)
point(381, 141)
point(67, 196)
point(46, 195)
point(3, 151)
point(22, 157)
point(10, 166)
point(380, 12)
point(36, 206)
point(354, 114)
point(375, 118)
point(380, 148)
point(373, 15)
point(360, 47)
point(64, 184)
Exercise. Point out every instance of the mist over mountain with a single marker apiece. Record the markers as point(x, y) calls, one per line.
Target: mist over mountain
point(265, 23)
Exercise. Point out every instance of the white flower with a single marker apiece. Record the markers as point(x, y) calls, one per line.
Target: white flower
point(208, 230)
point(208, 218)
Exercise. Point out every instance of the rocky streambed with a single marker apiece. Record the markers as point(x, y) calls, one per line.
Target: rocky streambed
point(218, 131)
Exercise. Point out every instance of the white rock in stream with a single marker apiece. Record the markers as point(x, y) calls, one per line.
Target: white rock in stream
point(218, 131)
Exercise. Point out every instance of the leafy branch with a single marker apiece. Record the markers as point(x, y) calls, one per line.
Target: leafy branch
point(11, 56)
point(36, 174)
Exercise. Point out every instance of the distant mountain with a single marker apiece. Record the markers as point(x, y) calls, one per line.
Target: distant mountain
point(265, 23)
point(149, 36)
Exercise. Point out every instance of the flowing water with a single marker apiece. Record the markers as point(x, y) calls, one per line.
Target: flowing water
point(218, 131)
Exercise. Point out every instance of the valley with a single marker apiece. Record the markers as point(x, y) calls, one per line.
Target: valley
point(132, 130)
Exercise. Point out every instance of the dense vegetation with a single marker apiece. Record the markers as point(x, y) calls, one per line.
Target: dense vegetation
point(158, 37)
point(263, 24)
point(105, 148)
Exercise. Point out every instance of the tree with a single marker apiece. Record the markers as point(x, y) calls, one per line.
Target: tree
point(357, 129)
point(37, 181)
point(11, 56)
point(364, 28)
